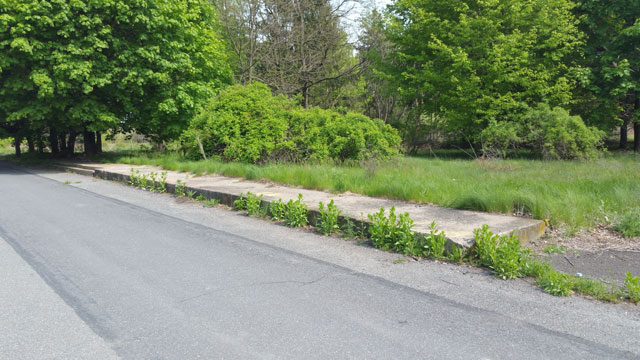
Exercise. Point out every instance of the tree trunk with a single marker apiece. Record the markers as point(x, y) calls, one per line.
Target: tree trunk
point(53, 142)
point(89, 139)
point(31, 144)
point(16, 144)
point(71, 143)
point(624, 135)
point(98, 142)
point(63, 143)
point(636, 126)
point(40, 145)
point(636, 136)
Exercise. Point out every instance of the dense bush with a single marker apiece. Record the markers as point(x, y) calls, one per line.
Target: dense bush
point(555, 134)
point(552, 134)
point(248, 123)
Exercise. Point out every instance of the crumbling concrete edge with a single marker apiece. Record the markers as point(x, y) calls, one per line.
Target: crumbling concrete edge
point(525, 233)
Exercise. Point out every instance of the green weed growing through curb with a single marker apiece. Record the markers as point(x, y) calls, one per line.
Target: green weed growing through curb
point(296, 213)
point(180, 189)
point(252, 204)
point(393, 232)
point(328, 223)
point(240, 203)
point(502, 254)
point(434, 243)
point(162, 184)
point(632, 288)
point(555, 283)
point(211, 203)
point(278, 210)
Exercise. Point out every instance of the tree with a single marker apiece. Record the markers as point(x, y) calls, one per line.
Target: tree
point(610, 73)
point(294, 46)
point(467, 62)
point(87, 66)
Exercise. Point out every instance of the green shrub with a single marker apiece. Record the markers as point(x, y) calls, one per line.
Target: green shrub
point(632, 288)
point(498, 137)
point(502, 254)
point(434, 243)
point(252, 204)
point(278, 210)
point(240, 203)
point(180, 189)
point(394, 232)
point(629, 223)
point(295, 213)
point(456, 254)
point(248, 123)
point(328, 223)
point(555, 134)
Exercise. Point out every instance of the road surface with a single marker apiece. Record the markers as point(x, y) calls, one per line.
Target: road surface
point(95, 269)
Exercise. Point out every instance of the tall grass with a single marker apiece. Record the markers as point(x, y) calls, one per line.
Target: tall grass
point(564, 192)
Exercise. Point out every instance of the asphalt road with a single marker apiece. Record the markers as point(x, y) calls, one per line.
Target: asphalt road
point(95, 269)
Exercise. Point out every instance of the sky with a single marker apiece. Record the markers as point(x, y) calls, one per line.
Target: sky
point(352, 28)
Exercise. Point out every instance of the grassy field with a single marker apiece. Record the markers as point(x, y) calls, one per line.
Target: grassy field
point(572, 194)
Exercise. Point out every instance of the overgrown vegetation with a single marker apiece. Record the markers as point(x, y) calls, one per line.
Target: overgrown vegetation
point(295, 213)
point(329, 216)
point(502, 254)
point(629, 223)
point(523, 187)
point(247, 123)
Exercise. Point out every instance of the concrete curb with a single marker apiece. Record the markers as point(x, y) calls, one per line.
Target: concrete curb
point(525, 229)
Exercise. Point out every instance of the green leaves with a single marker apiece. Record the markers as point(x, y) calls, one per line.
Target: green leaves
point(469, 61)
point(114, 64)
point(249, 124)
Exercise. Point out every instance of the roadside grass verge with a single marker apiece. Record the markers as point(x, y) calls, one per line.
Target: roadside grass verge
point(567, 193)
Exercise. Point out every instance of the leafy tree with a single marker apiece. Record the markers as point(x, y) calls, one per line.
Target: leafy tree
point(610, 73)
point(467, 62)
point(86, 66)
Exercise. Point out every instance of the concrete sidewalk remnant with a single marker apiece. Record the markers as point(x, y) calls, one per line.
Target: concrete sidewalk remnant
point(458, 225)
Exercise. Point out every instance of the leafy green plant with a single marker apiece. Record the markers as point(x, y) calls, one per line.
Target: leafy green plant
point(240, 203)
point(434, 243)
point(181, 187)
point(632, 288)
point(456, 254)
point(349, 229)
point(556, 283)
point(393, 232)
point(328, 218)
point(201, 198)
point(162, 184)
point(629, 223)
point(152, 181)
point(277, 210)
point(296, 213)
point(503, 254)
point(143, 181)
point(190, 194)
point(133, 177)
point(252, 204)
point(249, 124)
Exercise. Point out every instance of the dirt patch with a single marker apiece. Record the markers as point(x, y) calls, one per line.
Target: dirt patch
point(600, 238)
point(600, 253)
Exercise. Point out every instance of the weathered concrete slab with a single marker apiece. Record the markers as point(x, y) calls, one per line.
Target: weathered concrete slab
point(458, 225)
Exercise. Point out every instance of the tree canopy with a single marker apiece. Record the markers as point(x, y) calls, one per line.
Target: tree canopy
point(85, 66)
